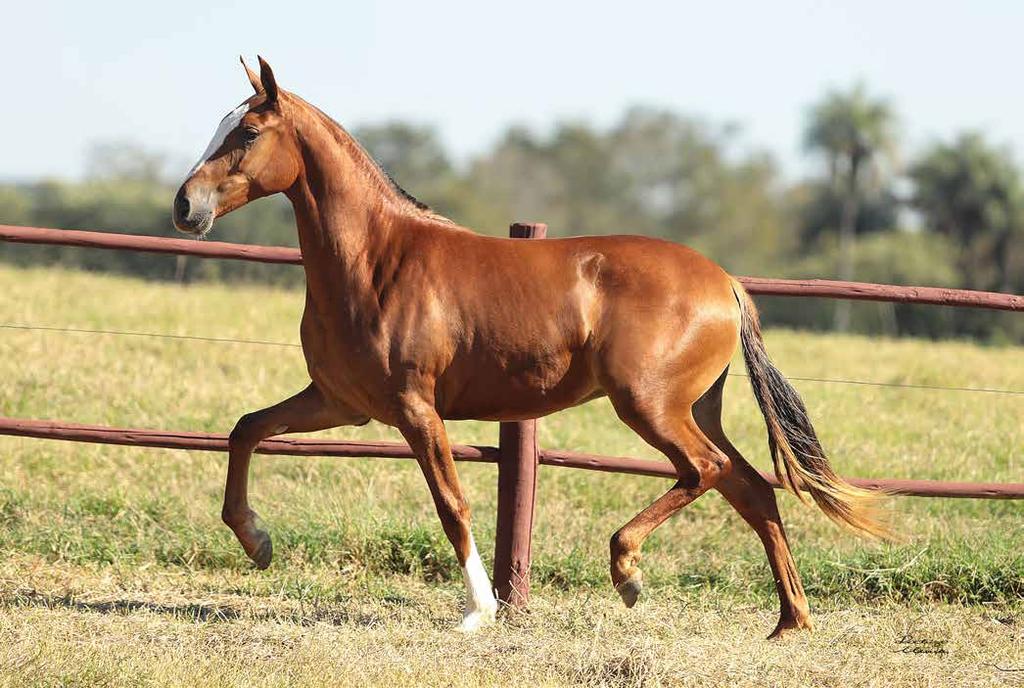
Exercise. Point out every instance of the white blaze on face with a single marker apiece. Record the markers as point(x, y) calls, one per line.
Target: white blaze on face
point(480, 603)
point(226, 126)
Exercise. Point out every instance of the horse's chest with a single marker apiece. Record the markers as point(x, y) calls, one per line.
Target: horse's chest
point(343, 364)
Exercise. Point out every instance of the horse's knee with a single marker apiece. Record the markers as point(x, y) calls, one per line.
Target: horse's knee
point(453, 507)
point(454, 513)
point(247, 432)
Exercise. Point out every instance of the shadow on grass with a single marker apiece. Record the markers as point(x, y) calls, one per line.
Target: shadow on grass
point(194, 612)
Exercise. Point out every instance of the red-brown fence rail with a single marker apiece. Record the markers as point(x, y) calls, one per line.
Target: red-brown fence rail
point(517, 453)
point(291, 446)
point(759, 286)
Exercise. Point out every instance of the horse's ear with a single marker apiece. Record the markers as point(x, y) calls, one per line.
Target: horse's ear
point(257, 85)
point(268, 81)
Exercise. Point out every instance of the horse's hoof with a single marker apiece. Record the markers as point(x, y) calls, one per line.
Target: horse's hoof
point(264, 551)
point(474, 621)
point(254, 540)
point(629, 590)
point(787, 626)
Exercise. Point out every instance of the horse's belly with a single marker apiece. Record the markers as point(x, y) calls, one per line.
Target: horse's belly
point(500, 391)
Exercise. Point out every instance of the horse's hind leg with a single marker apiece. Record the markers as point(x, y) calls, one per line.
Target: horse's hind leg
point(754, 500)
point(627, 541)
point(305, 412)
point(698, 463)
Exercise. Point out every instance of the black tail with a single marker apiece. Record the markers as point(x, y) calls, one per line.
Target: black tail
point(799, 459)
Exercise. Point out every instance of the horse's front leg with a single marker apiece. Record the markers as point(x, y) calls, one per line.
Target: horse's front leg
point(305, 412)
point(424, 431)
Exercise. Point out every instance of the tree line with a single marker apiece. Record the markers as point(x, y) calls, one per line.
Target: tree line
point(950, 215)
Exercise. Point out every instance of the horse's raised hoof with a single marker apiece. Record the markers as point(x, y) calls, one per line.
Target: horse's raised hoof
point(264, 552)
point(254, 540)
point(629, 590)
point(786, 627)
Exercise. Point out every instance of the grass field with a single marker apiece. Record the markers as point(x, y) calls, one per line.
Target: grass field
point(115, 568)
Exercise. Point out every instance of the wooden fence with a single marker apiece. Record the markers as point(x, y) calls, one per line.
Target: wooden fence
point(517, 454)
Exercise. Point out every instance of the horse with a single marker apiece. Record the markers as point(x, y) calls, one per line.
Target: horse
point(411, 319)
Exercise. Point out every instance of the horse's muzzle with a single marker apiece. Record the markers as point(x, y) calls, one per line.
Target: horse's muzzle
point(191, 217)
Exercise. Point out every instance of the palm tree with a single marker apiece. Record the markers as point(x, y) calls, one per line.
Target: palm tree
point(971, 192)
point(856, 134)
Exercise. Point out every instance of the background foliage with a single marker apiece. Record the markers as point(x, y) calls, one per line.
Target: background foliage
point(950, 216)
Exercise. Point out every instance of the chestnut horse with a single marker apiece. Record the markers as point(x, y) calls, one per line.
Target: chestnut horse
point(411, 319)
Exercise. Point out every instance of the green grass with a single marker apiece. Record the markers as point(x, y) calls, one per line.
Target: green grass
point(359, 537)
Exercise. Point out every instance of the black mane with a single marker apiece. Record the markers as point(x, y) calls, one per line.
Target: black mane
point(398, 189)
point(420, 205)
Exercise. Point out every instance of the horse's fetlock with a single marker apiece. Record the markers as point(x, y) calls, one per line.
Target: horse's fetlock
point(617, 543)
point(235, 519)
point(624, 551)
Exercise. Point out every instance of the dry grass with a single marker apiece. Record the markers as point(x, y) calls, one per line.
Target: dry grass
point(116, 569)
point(161, 628)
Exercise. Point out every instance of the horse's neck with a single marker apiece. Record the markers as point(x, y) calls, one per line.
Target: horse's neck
point(345, 217)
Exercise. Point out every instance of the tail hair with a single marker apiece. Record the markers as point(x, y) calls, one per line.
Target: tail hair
point(796, 451)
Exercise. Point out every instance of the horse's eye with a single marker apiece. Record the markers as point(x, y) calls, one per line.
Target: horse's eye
point(249, 135)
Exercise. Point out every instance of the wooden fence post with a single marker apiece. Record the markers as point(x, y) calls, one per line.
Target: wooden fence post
point(517, 489)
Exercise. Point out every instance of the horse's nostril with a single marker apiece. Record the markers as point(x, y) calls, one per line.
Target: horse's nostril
point(181, 206)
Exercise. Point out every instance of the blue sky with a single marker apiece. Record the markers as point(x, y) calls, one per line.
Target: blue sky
point(163, 74)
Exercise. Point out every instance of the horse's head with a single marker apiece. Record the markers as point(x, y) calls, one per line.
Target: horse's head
point(254, 153)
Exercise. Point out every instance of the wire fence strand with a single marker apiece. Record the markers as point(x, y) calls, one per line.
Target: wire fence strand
point(899, 385)
point(155, 335)
point(262, 342)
